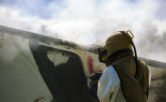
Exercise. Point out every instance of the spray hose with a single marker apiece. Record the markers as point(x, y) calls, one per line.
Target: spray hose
point(135, 51)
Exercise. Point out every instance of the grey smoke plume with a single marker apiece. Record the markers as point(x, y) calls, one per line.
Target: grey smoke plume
point(92, 21)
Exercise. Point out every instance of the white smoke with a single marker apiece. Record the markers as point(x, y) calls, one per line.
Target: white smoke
point(91, 21)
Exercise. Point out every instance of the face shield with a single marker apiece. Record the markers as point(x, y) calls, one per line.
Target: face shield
point(102, 54)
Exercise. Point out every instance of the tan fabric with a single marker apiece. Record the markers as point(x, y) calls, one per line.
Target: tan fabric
point(134, 89)
point(118, 40)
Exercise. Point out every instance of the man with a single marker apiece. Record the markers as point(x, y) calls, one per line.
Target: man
point(126, 78)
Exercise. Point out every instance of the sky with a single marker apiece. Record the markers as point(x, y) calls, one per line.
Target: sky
point(92, 21)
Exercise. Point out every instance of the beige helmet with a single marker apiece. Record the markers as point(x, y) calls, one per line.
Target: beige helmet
point(117, 41)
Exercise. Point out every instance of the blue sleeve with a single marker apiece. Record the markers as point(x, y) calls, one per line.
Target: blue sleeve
point(108, 85)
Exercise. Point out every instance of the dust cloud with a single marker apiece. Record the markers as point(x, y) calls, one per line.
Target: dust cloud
point(92, 21)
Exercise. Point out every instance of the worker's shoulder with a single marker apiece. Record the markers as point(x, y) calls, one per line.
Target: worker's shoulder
point(142, 65)
point(110, 74)
point(141, 62)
